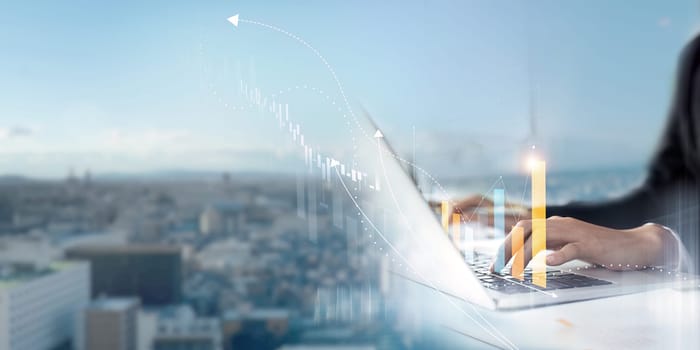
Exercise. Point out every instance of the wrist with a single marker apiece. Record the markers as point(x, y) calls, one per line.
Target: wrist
point(658, 244)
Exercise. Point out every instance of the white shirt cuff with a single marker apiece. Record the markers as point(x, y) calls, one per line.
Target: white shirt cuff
point(682, 260)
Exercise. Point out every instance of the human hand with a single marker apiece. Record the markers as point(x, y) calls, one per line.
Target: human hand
point(570, 239)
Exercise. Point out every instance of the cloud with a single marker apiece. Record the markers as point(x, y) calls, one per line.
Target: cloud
point(13, 132)
point(664, 22)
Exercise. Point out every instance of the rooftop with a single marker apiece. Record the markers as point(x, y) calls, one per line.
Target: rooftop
point(16, 274)
point(256, 314)
point(114, 304)
point(124, 249)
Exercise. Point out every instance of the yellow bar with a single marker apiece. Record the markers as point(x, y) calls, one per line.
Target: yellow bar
point(456, 230)
point(445, 216)
point(517, 242)
point(539, 224)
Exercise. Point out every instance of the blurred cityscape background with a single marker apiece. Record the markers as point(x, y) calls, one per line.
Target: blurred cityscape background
point(147, 201)
point(180, 261)
point(198, 261)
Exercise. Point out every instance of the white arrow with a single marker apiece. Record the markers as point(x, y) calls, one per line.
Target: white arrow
point(378, 134)
point(234, 20)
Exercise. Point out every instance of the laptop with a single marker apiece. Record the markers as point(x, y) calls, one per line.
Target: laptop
point(424, 253)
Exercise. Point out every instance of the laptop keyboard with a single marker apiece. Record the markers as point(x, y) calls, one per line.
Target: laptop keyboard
point(556, 279)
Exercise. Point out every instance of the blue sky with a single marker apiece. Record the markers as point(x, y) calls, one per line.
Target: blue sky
point(130, 85)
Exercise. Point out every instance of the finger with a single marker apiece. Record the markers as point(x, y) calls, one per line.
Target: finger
point(526, 227)
point(567, 253)
point(557, 236)
point(505, 250)
point(527, 251)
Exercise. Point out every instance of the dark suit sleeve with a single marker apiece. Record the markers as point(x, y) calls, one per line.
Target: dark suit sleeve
point(668, 170)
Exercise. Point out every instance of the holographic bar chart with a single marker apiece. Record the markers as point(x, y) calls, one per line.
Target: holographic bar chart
point(456, 230)
point(539, 224)
point(445, 215)
point(517, 243)
point(499, 199)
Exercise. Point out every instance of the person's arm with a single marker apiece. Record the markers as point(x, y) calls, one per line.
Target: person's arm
point(631, 249)
point(669, 196)
point(668, 168)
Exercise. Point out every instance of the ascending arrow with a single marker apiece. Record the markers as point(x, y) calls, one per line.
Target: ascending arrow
point(378, 134)
point(234, 20)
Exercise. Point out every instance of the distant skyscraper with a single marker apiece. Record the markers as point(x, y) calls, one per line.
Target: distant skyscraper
point(151, 272)
point(222, 218)
point(210, 221)
point(111, 324)
point(40, 308)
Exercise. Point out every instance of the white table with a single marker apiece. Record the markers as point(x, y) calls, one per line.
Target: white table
point(657, 319)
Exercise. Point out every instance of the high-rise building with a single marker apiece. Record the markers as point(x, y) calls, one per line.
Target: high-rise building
point(40, 307)
point(226, 217)
point(111, 324)
point(151, 272)
point(210, 221)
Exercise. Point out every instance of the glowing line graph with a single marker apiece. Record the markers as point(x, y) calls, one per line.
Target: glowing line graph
point(252, 99)
point(235, 20)
point(256, 99)
point(316, 52)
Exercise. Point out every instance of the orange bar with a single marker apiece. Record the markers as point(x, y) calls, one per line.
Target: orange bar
point(539, 224)
point(517, 243)
point(445, 216)
point(456, 230)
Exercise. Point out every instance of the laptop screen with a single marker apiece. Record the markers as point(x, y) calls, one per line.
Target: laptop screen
point(398, 220)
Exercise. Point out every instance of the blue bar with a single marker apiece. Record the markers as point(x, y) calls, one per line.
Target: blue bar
point(499, 210)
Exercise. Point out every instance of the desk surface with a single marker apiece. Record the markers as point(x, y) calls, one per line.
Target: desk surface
point(663, 318)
